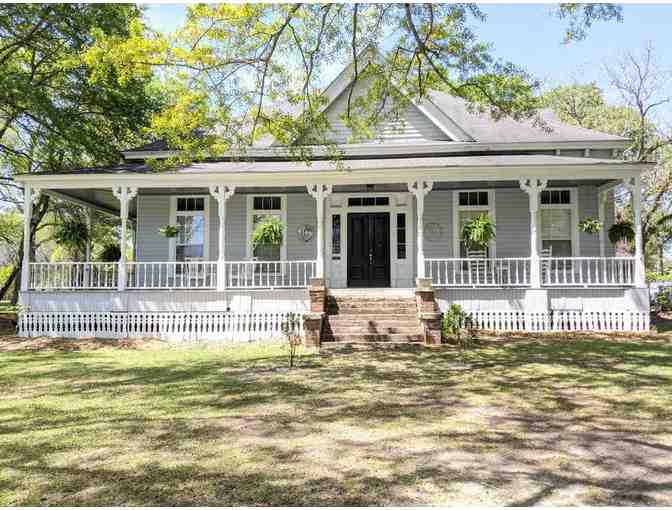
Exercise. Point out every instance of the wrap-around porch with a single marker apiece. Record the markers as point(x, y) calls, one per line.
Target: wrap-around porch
point(365, 236)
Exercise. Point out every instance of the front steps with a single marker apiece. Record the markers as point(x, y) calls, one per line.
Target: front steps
point(363, 318)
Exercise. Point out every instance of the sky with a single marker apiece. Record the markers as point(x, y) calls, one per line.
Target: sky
point(529, 36)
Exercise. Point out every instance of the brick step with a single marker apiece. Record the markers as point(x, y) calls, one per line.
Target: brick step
point(405, 330)
point(382, 337)
point(363, 321)
point(371, 310)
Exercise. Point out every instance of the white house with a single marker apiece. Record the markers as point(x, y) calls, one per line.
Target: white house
point(366, 229)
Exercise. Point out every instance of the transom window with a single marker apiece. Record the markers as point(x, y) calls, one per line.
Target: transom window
point(474, 198)
point(267, 203)
point(368, 201)
point(191, 223)
point(556, 197)
point(557, 223)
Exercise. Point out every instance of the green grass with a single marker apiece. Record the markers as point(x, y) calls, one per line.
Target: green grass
point(522, 422)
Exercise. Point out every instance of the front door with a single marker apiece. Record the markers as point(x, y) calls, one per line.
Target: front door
point(368, 250)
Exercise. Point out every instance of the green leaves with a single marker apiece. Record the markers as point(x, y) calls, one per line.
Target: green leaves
point(268, 231)
point(478, 231)
point(590, 226)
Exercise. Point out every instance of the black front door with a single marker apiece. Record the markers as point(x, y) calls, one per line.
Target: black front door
point(368, 250)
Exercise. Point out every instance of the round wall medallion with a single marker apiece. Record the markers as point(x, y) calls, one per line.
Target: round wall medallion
point(305, 233)
point(433, 231)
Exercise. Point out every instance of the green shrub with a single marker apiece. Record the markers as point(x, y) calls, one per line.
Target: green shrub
point(458, 325)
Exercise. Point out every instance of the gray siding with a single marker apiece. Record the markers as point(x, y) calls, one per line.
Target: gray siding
point(439, 209)
point(512, 210)
point(301, 210)
point(153, 211)
point(413, 125)
point(589, 243)
point(513, 223)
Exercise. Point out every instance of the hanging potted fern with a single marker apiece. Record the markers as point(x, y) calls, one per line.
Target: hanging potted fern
point(621, 231)
point(590, 226)
point(168, 231)
point(268, 231)
point(478, 231)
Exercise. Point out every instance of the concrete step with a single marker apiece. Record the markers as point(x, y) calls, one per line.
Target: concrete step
point(364, 337)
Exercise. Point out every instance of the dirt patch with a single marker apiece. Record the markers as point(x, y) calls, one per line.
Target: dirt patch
point(15, 343)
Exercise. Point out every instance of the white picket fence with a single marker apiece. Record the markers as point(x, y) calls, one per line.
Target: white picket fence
point(229, 327)
point(560, 320)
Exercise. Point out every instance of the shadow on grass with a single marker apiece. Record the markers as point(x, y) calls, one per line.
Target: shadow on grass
point(526, 421)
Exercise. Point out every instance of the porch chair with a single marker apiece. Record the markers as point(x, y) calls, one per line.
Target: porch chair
point(546, 265)
point(477, 268)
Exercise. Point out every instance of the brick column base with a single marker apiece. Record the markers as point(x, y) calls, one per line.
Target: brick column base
point(428, 312)
point(314, 320)
point(312, 329)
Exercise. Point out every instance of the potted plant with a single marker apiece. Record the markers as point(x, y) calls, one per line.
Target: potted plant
point(590, 226)
point(478, 231)
point(168, 231)
point(622, 230)
point(268, 231)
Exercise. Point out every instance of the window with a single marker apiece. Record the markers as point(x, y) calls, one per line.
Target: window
point(368, 201)
point(471, 204)
point(557, 222)
point(191, 220)
point(401, 236)
point(262, 207)
point(336, 237)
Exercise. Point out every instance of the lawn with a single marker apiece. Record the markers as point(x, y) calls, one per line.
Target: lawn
point(521, 421)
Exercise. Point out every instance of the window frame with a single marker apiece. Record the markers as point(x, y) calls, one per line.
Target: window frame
point(573, 207)
point(457, 208)
point(249, 222)
point(174, 213)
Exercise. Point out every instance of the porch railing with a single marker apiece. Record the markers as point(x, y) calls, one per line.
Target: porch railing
point(259, 274)
point(478, 272)
point(172, 275)
point(587, 271)
point(73, 275)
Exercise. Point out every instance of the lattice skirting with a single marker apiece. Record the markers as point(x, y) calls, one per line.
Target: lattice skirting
point(561, 321)
point(174, 326)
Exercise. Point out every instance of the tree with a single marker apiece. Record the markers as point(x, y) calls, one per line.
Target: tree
point(52, 115)
point(237, 73)
point(644, 87)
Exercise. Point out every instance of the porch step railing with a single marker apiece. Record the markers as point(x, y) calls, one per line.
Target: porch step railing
point(478, 272)
point(587, 271)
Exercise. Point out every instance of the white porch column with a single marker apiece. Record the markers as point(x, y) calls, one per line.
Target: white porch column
point(635, 186)
point(89, 224)
point(319, 192)
point(27, 218)
point(420, 188)
point(601, 217)
point(222, 193)
point(533, 187)
point(124, 194)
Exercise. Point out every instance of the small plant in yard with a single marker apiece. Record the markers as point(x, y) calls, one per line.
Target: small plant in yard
point(664, 300)
point(590, 226)
point(290, 328)
point(458, 325)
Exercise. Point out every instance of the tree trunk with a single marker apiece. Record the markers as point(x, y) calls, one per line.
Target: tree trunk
point(9, 282)
point(661, 265)
point(38, 215)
